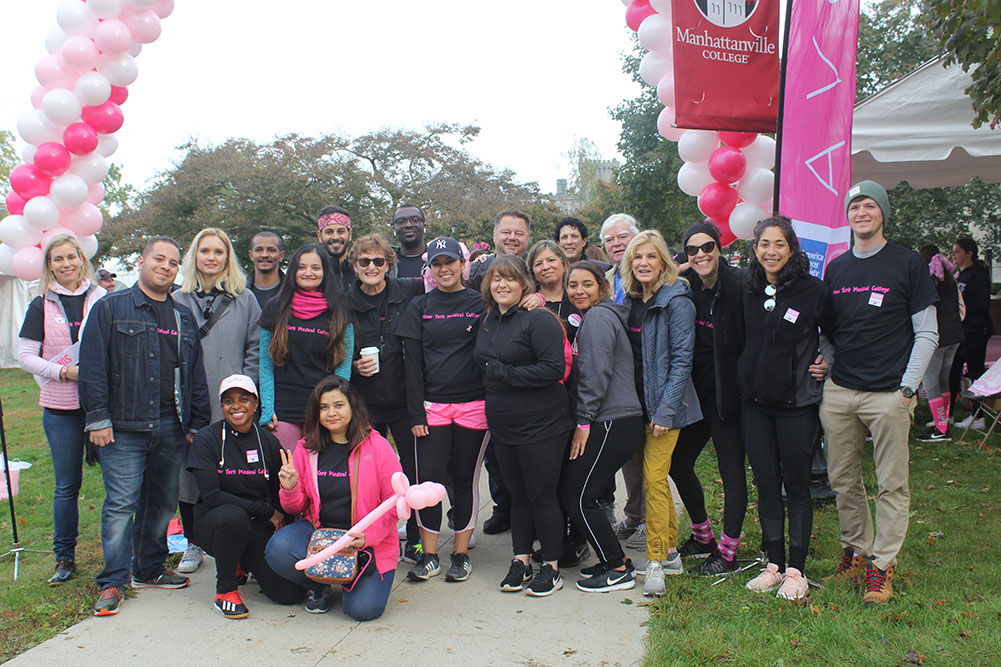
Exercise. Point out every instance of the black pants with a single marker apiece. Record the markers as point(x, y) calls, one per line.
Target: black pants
point(729, 445)
point(403, 437)
point(586, 479)
point(228, 534)
point(499, 492)
point(972, 352)
point(455, 452)
point(532, 472)
point(780, 445)
point(187, 512)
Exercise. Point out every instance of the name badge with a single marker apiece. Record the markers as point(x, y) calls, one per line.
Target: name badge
point(574, 320)
point(791, 316)
point(252, 456)
point(876, 299)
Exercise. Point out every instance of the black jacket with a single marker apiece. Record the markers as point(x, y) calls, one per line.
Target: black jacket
point(950, 326)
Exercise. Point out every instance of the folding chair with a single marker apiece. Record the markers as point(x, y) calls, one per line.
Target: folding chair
point(986, 393)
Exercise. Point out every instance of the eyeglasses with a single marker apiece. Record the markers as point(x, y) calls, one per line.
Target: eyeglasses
point(693, 250)
point(769, 304)
point(378, 261)
point(413, 220)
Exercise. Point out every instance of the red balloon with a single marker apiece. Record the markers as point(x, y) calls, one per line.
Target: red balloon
point(738, 139)
point(637, 11)
point(15, 203)
point(727, 164)
point(726, 237)
point(52, 158)
point(106, 118)
point(119, 94)
point(29, 181)
point(717, 200)
point(80, 139)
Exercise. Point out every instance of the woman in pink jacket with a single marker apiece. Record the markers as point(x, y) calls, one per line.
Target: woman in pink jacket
point(339, 453)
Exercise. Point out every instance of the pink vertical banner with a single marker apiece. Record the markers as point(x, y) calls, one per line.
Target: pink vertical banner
point(816, 125)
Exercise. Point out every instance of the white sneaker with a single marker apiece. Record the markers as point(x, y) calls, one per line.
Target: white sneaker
point(654, 580)
point(673, 566)
point(769, 579)
point(970, 422)
point(638, 539)
point(191, 560)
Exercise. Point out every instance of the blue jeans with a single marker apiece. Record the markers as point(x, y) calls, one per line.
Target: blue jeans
point(64, 431)
point(365, 602)
point(140, 484)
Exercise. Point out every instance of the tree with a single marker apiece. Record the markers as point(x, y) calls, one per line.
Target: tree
point(8, 160)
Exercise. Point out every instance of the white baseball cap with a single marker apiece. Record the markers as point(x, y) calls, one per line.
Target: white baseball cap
point(238, 381)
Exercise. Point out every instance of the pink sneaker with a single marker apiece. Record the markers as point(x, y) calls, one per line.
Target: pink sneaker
point(768, 580)
point(794, 587)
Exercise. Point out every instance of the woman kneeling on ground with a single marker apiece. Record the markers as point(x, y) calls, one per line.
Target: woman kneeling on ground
point(339, 457)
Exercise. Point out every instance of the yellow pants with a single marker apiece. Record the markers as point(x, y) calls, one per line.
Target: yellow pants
point(661, 517)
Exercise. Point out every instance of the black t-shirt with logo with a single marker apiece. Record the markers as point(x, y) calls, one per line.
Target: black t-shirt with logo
point(703, 361)
point(166, 331)
point(408, 268)
point(568, 314)
point(873, 300)
point(370, 322)
point(334, 485)
point(33, 327)
point(637, 311)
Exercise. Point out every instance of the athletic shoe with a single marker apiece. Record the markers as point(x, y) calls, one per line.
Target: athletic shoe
point(654, 584)
point(459, 567)
point(934, 435)
point(472, 541)
point(191, 560)
point(878, 584)
point(571, 555)
point(109, 602)
point(794, 587)
point(231, 605)
point(623, 529)
point(692, 548)
point(318, 602)
point(546, 582)
point(242, 576)
point(63, 572)
point(518, 576)
point(496, 524)
point(598, 568)
point(412, 552)
point(638, 539)
point(769, 579)
point(850, 569)
point(673, 564)
point(970, 422)
point(716, 565)
point(166, 580)
point(608, 580)
point(426, 567)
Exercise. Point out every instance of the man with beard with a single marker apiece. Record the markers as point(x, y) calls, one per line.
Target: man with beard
point(334, 233)
point(408, 227)
point(266, 253)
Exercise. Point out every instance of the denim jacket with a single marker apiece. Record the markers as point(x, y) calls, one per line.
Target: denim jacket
point(119, 379)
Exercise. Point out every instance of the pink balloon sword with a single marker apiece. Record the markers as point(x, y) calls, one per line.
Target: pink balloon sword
point(407, 497)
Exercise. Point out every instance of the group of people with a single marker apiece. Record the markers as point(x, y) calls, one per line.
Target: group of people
point(263, 406)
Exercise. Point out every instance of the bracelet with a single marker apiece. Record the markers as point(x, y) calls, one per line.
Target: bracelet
point(584, 427)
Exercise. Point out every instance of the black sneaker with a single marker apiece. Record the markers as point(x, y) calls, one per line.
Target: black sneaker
point(598, 568)
point(63, 573)
point(496, 524)
point(692, 548)
point(426, 567)
point(571, 555)
point(608, 580)
point(459, 567)
point(109, 602)
point(546, 582)
point(318, 602)
point(166, 580)
point(934, 435)
point(231, 605)
point(518, 576)
point(413, 552)
point(716, 565)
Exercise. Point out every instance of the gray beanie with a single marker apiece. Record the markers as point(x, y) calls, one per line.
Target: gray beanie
point(874, 191)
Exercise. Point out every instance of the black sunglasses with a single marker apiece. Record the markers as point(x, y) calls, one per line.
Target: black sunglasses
point(693, 250)
point(365, 261)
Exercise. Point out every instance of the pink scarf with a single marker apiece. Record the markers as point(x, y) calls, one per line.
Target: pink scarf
point(307, 305)
point(939, 265)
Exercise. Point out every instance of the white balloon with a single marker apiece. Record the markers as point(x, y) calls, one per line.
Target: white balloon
point(68, 191)
point(16, 232)
point(28, 154)
point(744, 217)
point(662, 7)
point(92, 168)
point(35, 127)
point(89, 245)
point(761, 153)
point(757, 185)
point(140, 4)
point(107, 144)
point(75, 18)
point(50, 234)
point(627, 2)
point(655, 33)
point(6, 259)
point(105, 9)
point(121, 70)
point(54, 40)
point(665, 90)
point(693, 176)
point(93, 89)
point(697, 145)
point(62, 106)
point(41, 212)
point(655, 65)
point(135, 49)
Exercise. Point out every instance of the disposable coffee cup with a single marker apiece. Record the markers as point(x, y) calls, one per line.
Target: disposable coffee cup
point(371, 353)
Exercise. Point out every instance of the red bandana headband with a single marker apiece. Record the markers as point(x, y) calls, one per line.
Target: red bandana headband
point(333, 219)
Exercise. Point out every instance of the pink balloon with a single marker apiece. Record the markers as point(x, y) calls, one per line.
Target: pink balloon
point(80, 53)
point(665, 122)
point(727, 164)
point(83, 221)
point(80, 138)
point(106, 118)
point(113, 37)
point(726, 235)
point(37, 95)
point(636, 12)
point(402, 509)
point(665, 89)
point(29, 181)
point(27, 263)
point(738, 139)
point(15, 203)
point(119, 94)
point(52, 158)
point(52, 73)
point(95, 193)
point(163, 8)
point(144, 26)
point(717, 200)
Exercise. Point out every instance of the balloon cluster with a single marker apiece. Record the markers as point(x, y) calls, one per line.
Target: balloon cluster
point(729, 172)
point(70, 132)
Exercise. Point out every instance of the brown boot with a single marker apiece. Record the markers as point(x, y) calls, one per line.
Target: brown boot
point(851, 569)
point(878, 584)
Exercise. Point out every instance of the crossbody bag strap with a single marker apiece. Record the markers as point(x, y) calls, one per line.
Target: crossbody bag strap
point(354, 487)
point(227, 300)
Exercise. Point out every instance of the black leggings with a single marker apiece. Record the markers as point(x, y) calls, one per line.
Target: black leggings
point(586, 479)
point(228, 534)
point(729, 445)
point(187, 512)
point(456, 453)
point(532, 474)
point(972, 352)
point(780, 445)
point(403, 438)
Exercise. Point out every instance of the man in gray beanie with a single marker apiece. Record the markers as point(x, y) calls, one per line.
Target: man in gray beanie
point(883, 329)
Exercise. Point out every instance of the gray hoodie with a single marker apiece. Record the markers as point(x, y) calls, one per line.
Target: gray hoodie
point(606, 389)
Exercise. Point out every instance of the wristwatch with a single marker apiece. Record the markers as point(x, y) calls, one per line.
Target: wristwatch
point(907, 391)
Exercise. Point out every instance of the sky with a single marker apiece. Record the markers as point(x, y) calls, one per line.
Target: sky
point(534, 75)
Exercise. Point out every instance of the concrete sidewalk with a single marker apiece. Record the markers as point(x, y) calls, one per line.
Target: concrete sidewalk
point(430, 623)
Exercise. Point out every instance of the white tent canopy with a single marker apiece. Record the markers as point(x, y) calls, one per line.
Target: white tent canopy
point(918, 130)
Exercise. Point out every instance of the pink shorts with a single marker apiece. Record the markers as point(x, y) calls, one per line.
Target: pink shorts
point(471, 415)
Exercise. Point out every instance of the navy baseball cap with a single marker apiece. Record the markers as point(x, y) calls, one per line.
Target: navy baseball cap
point(444, 245)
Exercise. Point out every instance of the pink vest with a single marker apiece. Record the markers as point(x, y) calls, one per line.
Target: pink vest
point(56, 394)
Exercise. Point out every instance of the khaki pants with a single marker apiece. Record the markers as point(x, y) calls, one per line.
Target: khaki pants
point(661, 515)
point(847, 415)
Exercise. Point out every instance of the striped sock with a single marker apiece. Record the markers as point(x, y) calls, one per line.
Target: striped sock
point(728, 546)
point(703, 532)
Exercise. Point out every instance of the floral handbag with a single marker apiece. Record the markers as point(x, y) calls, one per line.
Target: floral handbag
point(340, 568)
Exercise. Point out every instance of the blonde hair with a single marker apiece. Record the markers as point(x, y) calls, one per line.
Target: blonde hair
point(47, 278)
point(668, 275)
point(232, 279)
